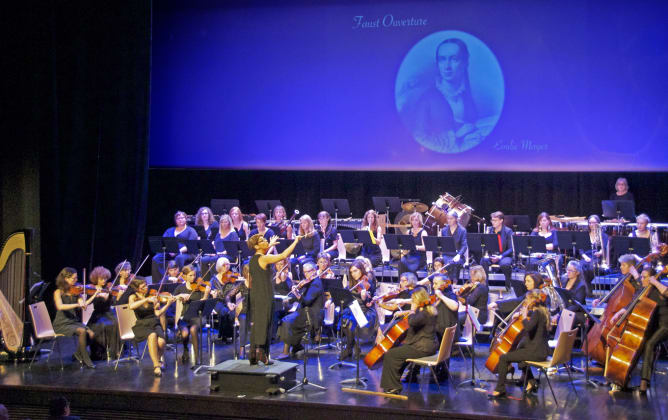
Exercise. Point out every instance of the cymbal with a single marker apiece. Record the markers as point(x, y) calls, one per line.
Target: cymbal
point(414, 206)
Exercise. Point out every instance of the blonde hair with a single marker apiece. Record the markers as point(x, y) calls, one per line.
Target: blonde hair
point(421, 299)
point(418, 216)
point(305, 218)
point(220, 223)
point(477, 273)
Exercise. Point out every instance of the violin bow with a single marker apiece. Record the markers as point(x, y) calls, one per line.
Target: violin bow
point(118, 274)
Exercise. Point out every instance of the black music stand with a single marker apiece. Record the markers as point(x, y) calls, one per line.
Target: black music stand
point(400, 242)
point(348, 237)
point(223, 205)
point(616, 209)
point(207, 247)
point(491, 243)
point(518, 287)
point(267, 206)
point(335, 206)
point(620, 245)
point(575, 239)
point(172, 245)
point(517, 222)
point(157, 246)
point(344, 298)
point(527, 245)
point(387, 205)
point(238, 248)
point(567, 296)
point(440, 244)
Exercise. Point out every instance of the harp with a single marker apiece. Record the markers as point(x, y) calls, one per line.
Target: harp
point(13, 288)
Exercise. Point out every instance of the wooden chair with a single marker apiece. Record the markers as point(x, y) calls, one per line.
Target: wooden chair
point(561, 356)
point(441, 356)
point(41, 322)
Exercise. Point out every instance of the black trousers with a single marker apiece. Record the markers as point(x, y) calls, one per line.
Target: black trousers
point(660, 334)
point(394, 363)
point(518, 355)
point(505, 265)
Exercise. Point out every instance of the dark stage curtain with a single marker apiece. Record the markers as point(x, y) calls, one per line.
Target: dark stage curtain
point(94, 160)
point(572, 194)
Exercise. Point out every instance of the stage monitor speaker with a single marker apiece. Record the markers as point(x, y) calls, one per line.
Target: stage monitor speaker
point(240, 376)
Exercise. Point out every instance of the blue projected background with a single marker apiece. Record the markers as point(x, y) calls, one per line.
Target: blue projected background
point(517, 85)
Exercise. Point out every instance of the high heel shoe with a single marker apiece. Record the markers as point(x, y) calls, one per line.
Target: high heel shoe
point(532, 386)
point(497, 395)
point(157, 372)
point(84, 360)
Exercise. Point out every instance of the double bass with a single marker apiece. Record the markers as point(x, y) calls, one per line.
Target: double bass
point(627, 337)
point(618, 298)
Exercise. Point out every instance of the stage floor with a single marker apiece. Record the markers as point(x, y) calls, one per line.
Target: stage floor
point(133, 392)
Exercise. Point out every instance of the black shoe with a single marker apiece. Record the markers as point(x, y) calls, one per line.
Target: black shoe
point(184, 357)
point(296, 349)
point(532, 386)
point(395, 391)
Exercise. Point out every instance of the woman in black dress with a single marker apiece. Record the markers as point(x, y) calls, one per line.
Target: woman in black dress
point(329, 234)
point(373, 251)
point(148, 310)
point(190, 327)
point(420, 341)
point(103, 321)
point(262, 294)
point(532, 347)
point(362, 288)
point(415, 260)
point(68, 318)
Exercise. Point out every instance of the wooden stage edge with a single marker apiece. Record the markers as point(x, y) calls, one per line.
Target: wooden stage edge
point(31, 401)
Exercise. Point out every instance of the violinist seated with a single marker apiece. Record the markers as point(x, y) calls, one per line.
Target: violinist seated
point(412, 261)
point(474, 293)
point(181, 231)
point(280, 225)
point(69, 300)
point(148, 310)
point(454, 260)
point(400, 299)
point(173, 273)
point(124, 272)
point(446, 304)
point(222, 283)
point(282, 281)
point(504, 259)
point(532, 282)
point(325, 273)
point(657, 330)
point(225, 232)
point(193, 289)
point(574, 281)
point(362, 290)
point(595, 259)
point(533, 346)
point(308, 316)
point(234, 301)
point(103, 321)
point(420, 341)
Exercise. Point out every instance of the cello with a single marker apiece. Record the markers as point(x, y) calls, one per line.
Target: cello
point(627, 337)
point(395, 334)
point(508, 338)
point(618, 298)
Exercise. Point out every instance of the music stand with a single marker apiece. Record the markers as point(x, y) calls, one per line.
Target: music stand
point(567, 297)
point(387, 205)
point(475, 324)
point(344, 298)
point(621, 245)
point(517, 222)
point(518, 287)
point(400, 242)
point(157, 246)
point(616, 209)
point(527, 245)
point(348, 237)
point(335, 206)
point(238, 248)
point(491, 243)
point(172, 245)
point(440, 244)
point(362, 322)
point(305, 338)
point(575, 239)
point(267, 206)
point(222, 206)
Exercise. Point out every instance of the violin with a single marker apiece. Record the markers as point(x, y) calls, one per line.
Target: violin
point(327, 274)
point(163, 297)
point(228, 277)
point(282, 226)
point(76, 289)
point(200, 285)
point(363, 283)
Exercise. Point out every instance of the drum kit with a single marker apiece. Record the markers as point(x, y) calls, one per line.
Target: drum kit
point(435, 218)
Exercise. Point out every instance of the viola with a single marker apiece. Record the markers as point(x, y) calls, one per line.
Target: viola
point(229, 277)
point(76, 289)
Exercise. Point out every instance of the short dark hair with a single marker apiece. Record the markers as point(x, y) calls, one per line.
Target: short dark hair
point(498, 215)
